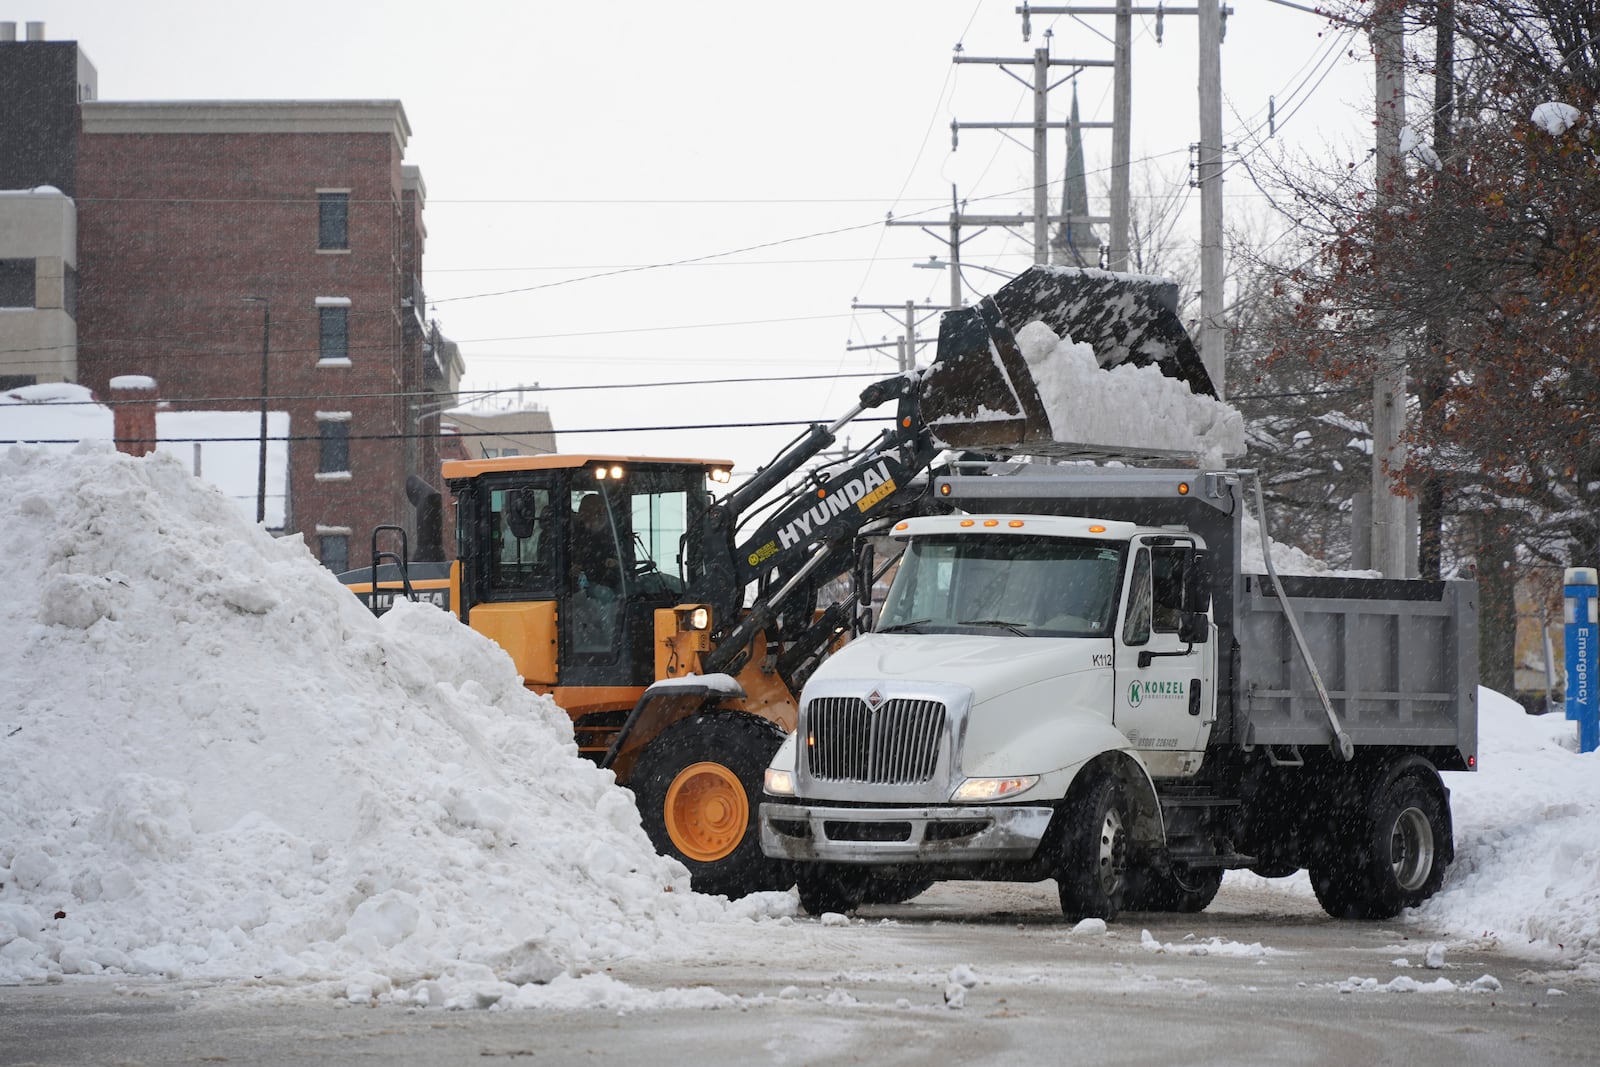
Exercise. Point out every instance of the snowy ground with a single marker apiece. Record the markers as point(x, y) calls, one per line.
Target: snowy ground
point(218, 766)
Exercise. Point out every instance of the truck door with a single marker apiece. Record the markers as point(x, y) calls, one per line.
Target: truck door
point(1163, 694)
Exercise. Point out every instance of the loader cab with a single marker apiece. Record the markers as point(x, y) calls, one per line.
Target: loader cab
point(564, 559)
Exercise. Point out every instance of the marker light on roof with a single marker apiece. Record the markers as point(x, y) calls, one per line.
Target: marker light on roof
point(901, 525)
point(965, 523)
point(1097, 528)
point(1015, 524)
point(1183, 488)
point(991, 522)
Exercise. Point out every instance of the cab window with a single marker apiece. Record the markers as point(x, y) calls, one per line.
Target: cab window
point(1136, 625)
point(522, 526)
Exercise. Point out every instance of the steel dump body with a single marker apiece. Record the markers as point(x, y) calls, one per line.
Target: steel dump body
point(1398, 658)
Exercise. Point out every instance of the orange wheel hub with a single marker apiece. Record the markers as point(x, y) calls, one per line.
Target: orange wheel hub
point(706, 811)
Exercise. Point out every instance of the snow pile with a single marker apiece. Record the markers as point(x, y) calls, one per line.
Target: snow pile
point(1555, 118)
point(1211, 946)
point(218, 764)
point(1286, 559)
point(1138, 409)
point(1486, 984)
point(1527, 869)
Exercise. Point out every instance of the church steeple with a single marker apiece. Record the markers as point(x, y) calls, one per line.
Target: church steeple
point(1075, 245)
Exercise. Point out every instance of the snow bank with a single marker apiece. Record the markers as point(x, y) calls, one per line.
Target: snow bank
point(217, 764)
point(1125, 407)
point(1527, 869)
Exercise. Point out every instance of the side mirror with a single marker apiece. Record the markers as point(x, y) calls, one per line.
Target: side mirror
point(863, 576)
point(1193, 627)
point(1197, 582)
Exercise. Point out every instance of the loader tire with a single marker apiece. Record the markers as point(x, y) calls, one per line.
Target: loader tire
point(1092, 876)
point(1393, 857)
point(698, 787)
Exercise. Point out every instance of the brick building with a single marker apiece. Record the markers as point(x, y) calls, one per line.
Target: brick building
point(241, 251)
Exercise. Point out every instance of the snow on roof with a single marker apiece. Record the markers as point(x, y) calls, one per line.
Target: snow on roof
point(223, 447)
point(219, 764)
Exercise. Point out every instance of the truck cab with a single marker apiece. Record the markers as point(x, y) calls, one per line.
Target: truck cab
point(1011, 651)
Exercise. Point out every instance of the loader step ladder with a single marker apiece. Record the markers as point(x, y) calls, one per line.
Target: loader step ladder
point(400, 561)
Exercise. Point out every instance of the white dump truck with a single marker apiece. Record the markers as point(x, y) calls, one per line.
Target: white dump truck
point(1073, 676)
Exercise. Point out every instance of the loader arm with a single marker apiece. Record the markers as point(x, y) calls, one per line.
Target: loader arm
point(978, 394)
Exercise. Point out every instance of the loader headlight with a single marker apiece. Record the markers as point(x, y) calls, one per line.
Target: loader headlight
point(994, 788)
point(778, 783)
point(695, 619)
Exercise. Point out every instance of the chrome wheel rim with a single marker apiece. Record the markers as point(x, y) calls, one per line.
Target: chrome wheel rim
point(1112, 856)
point(1411, 849)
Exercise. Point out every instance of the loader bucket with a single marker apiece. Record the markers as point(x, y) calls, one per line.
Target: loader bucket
point(980, 393)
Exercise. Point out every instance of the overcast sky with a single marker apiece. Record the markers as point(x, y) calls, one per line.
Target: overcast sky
point(564, 142)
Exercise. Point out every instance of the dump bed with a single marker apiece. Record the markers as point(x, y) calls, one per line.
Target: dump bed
point(1398, 660)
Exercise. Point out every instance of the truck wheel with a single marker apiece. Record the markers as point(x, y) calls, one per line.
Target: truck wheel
point(1182, 889)
point(698, 787)
point(826, 887)
point(1093, 873)
point(1393, 859)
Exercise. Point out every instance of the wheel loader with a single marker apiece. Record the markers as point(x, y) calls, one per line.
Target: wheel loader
point(676, 625)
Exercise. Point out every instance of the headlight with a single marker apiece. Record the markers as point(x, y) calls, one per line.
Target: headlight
point(695, 619)
point(992, 788)
point(779, 783)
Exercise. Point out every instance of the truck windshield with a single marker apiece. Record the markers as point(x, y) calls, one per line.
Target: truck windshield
point(1005, 585)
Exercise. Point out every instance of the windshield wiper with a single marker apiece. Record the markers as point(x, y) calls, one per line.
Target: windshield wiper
point(909, 627)
point(1013, 627)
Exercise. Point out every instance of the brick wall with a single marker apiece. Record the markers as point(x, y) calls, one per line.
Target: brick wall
point(175, 230)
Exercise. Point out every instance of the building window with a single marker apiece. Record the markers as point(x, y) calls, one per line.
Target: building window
point(333, 221)
point(334, 551)
point(334, 457)
point(69, 292)
point(17, 286)
point(335, 334)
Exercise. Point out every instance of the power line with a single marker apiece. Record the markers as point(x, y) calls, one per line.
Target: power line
point(475, 394)
point(418, 436)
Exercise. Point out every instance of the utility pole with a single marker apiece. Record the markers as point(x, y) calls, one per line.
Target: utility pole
point(953, 243)
point(261, 471)
point(1390, 530)
point(1040, 84)
point(906, 346)
point(1121, 133)
point(1213, 337)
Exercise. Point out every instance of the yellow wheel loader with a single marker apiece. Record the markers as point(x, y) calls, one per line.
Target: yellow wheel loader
point(676, 626)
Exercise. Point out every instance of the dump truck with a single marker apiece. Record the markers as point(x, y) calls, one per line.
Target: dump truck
point(675, 616)
point(1075, 677)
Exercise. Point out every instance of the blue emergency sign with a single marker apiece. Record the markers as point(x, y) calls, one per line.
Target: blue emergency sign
point(1581, 610)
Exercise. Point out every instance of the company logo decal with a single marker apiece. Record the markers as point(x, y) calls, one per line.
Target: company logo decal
point(861, 493)
point(1156, 689)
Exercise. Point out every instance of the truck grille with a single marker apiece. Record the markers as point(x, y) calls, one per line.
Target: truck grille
point(896, 743)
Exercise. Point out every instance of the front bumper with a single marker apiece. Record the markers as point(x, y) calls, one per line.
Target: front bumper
point(909, 835)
